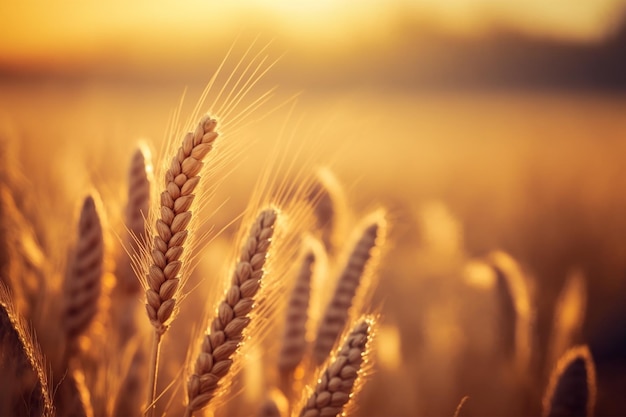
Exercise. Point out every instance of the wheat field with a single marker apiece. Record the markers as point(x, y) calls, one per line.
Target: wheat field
point(269, 253)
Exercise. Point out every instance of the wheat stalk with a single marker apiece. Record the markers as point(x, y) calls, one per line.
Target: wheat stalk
point(572, 387)
point(233, 316)
point(336, 314)
point(83, 283)
point(337, 383)
point(163, 275)
point(24, 386)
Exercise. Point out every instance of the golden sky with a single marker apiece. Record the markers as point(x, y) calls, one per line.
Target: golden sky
point(163, 31)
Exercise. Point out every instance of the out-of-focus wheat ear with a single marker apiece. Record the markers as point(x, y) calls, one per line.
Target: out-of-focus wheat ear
point(137, 206)
point(72, 397)
point(572, 388)
point(83, 281)
point(338, 381)
point(233, 316)
point(24, 389)
point(569, 316)
point(516, 317)
point(337, 313)
point(331, 209)
point(294, 337)
point(21, 258)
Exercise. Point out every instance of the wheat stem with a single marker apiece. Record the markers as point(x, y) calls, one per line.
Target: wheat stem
point(164, 275)
point(153, 369)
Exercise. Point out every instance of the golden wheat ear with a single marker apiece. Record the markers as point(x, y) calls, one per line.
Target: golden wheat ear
point(24, 389)
point(569, 316)
point(233, 316)
point(331, 208)
point(515, 309)
point(294, 343)
point(572, 387)
point(337, 312)
point(339, 381)
point(83, 281)
point(181, 179)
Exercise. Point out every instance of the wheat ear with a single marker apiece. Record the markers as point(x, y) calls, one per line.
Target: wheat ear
point(336, 385)
point(515, 309)
point(294, 338)
point(233, 315)
point(337, 312)
point(180, 182)
point(331, 208)
point(569, 316)
point(24, 384)
point(163, 278)
point(83, 283)
point(136, 212)
point(572, 387)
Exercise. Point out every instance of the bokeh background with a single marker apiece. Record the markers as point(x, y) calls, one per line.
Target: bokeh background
point(481, 124)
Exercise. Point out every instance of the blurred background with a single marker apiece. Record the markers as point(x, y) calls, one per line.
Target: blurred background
point(487, 124)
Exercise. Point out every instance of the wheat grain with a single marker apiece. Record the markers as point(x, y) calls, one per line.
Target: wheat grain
point(337, 313)
point(572, 388)
point(83, 283)
point(24, 384)
point(336, 385)
point(226, 331)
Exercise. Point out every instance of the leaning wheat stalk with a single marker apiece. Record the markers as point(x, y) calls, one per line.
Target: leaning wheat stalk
point(337, 384)
point(24, 386)
point(337, 312)
point(163, 275)
point(233, 316)
point(572, 387)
